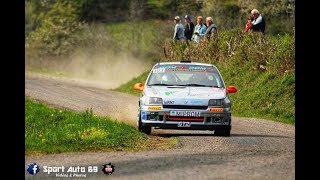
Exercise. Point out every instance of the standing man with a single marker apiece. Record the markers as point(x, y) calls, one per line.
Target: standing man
point(189, 27)
point(199, 30)
point(178, 30)
point(212, 30)
point(258, 23)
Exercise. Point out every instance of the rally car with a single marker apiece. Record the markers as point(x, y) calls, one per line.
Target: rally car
point(185, 95)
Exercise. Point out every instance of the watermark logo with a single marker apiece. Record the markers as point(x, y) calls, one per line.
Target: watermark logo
point(33, 168)
point(108, 168)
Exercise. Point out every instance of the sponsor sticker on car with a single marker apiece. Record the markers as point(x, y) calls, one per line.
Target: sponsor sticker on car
point(185, 113)
point(155, 108)
point(143, 115)
point(216, 109)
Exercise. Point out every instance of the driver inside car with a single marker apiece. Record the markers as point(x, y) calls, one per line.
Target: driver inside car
point(169, 78)
point(203, 78)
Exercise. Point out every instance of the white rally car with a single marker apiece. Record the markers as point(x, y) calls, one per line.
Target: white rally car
point(185, 95)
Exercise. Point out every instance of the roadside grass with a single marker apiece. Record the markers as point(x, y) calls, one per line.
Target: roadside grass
point(128, 87)
point(55, 130)
point(261, 94)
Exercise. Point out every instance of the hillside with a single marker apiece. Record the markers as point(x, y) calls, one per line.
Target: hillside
point(90, 37)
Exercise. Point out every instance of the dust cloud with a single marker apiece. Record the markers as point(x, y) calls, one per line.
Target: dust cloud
point(108, 70)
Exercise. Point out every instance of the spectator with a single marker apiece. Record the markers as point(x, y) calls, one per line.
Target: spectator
point(199, 30)
point(212, 30)
point(189, 27)
point(258, 24)
point(249, 25)
point(178, 30)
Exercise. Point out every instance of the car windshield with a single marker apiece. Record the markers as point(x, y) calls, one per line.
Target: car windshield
point(185, 75)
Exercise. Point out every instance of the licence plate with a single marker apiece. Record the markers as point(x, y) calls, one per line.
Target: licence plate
point(185, 113)
point(184, 124)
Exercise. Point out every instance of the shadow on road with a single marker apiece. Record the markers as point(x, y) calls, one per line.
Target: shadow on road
point(182, 134)
point(259, 135)
point(232, 135)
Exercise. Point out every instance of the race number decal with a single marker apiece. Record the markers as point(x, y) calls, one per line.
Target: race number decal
point(159, 70)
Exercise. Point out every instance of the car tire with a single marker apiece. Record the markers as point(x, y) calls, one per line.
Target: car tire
point(143, 128)
point(222, 132)
point(146, 129)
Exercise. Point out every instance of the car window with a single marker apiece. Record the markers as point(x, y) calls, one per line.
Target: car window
point(183, 75)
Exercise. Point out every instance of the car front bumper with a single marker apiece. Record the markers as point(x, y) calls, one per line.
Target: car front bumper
point(159, 117)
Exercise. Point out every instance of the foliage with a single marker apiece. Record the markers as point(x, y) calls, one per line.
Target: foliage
point(57, 28)
point(53, 34)
point(102, 10)
point(274, 54)
point(32, 16)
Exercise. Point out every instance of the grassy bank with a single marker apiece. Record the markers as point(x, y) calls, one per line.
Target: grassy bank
point(261, 94)
point(128, 87)
point(262, 67)
point(52, 130)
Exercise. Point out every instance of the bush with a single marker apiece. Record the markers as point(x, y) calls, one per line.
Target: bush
point(275, 54)
point(52, 37)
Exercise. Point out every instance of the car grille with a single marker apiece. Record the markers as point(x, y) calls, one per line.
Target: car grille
point(184, 107)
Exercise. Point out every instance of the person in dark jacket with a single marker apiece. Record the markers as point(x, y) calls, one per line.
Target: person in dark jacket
point(189, 27)
point(258, 23)
point(212, 30)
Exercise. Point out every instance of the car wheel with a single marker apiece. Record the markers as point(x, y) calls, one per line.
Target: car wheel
point(222, 132)
point(143, 128)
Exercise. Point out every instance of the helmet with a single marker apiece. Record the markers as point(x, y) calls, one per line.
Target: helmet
point(199, 77)
point(168, 78)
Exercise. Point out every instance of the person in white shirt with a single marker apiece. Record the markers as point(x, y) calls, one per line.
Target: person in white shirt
point(199, 30)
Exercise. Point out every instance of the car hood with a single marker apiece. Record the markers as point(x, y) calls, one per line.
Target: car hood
point(185, 95)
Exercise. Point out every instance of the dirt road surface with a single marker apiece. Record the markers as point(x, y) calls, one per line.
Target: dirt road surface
point(256, 149)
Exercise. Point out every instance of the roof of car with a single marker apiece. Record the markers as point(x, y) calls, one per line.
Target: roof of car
point(192, 63)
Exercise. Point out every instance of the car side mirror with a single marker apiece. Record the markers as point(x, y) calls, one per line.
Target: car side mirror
point(138, 86)
point(231, 89)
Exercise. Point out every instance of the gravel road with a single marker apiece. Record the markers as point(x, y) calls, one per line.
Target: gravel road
point(256, 149)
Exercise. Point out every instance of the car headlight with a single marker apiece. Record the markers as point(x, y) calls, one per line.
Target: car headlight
point(215, 102)
point(153, 101)
point(220, 102)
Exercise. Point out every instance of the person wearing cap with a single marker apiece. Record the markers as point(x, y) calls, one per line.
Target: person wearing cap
point(199, 30)
point(212, 30)
point(189, 27)
point(178, 30)
point(258, 23)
